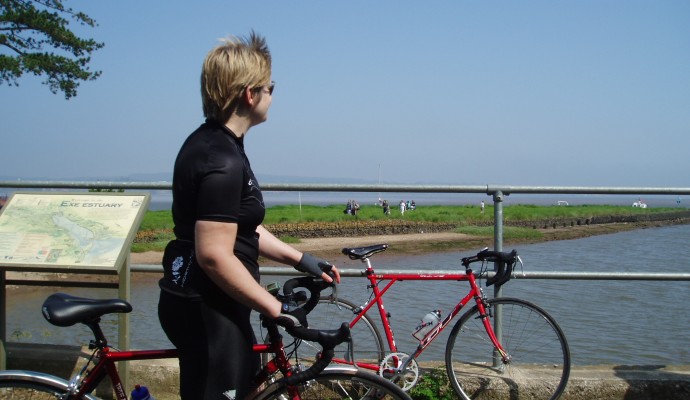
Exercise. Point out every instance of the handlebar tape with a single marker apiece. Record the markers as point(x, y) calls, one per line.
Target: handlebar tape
point(311, 372)
point(328, 340)
point(314, 285)
point(504, 260)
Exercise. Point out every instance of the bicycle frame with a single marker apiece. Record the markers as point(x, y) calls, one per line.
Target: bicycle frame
point(377, 299)
point(107, 358)
point(279, 363)
point(65, 310)
point(106, 366)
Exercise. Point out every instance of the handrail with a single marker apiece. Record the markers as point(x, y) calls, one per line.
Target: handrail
point(498, 192)
point(556, 275)
point(489, 189)
point(358, 273)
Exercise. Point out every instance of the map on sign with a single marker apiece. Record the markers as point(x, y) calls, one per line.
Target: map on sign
point(87, 231)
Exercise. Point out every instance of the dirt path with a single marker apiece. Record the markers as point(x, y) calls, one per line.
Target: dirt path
point(333, 245)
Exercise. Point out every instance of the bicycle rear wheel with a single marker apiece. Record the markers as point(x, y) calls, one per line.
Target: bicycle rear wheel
point(25, 385)
point(539, 363)
point(348, 384)
point(367, 343)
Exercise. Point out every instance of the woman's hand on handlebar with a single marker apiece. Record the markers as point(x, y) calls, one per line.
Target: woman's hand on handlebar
point(292, 316)
point(318, 267)
point(333, 275)
point(296, 304)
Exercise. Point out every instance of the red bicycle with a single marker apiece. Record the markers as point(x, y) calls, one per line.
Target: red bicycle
point(501, 348)
point(279, 378)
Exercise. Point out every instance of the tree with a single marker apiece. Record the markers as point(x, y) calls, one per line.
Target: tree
point(34, 38)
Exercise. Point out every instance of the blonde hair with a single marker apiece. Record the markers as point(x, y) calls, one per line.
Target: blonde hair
point(228, 69)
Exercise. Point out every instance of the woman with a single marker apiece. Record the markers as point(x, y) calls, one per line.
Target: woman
point(211, 270)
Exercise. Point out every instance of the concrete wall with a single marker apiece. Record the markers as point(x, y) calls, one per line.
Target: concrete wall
point(161, 376)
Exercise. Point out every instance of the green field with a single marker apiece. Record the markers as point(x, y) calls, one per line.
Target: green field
point(156, 228)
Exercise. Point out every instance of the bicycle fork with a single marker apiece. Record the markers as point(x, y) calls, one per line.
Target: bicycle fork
point(486, 312)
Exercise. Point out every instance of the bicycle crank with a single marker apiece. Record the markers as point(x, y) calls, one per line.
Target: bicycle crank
point(392, 369)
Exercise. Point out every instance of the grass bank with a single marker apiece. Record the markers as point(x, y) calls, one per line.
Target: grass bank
point(520, 220)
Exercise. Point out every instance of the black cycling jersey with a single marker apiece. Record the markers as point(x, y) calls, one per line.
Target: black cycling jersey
point(212, 181)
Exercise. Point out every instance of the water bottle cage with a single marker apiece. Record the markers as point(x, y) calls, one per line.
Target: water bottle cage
point(422, 326)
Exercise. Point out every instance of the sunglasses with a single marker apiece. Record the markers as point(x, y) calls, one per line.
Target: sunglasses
point(269, 88)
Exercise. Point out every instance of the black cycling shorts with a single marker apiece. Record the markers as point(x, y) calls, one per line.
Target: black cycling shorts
point(214, 339)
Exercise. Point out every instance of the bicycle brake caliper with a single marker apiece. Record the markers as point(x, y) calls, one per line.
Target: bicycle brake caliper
point(488, 309)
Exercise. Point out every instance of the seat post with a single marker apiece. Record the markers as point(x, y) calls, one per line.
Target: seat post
point(100, 340)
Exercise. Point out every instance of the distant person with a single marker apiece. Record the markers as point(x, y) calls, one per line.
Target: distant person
point(386, 208)
point(355, 208)
point(210, 280)
point(348, 208)
point(402, 207)
point(481, 207)
point(413, 205)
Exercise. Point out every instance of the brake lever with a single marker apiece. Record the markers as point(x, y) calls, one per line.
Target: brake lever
point(522, 266)
point(334, 291)
point(333, 296)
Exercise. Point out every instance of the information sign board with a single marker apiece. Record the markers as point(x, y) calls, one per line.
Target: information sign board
point(70, 232)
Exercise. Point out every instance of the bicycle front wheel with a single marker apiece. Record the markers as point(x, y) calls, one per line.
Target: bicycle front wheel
point(537, 364)
point(338, 384)
point(23, 385)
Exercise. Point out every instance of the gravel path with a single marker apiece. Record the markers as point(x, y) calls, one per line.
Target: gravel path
point(333, 245)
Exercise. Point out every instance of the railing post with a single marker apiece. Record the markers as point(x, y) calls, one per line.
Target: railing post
point(498, 230)
point(498, 220)
point(3, 321)
point(498, 246)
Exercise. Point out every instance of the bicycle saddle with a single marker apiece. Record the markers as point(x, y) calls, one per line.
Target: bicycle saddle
point(62, 309)
point(358, 253)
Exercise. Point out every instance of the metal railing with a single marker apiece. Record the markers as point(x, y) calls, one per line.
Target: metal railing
point(497, 192)
point(556, 275)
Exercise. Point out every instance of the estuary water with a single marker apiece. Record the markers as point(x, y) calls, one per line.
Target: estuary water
point(606, 322)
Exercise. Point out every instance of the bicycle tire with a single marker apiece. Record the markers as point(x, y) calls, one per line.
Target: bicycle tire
point(350, 384)
point(540, 359)
point(22, 385)
point(366, 340)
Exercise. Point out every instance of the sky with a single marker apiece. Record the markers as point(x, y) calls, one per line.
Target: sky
point(542, 93)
